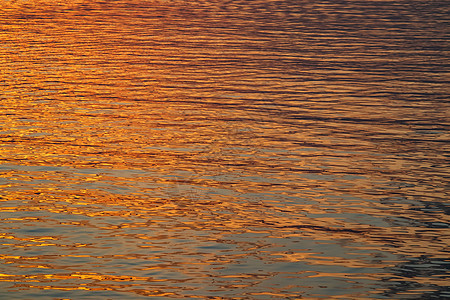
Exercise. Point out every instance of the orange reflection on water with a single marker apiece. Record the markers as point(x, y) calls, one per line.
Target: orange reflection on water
point(221, 150)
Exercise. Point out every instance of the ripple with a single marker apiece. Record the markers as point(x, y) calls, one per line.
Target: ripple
point(229, 149)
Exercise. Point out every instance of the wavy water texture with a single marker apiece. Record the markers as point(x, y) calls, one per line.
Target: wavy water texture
point(224, 149)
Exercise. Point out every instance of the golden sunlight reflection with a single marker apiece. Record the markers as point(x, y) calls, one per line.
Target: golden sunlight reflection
point(223, 149)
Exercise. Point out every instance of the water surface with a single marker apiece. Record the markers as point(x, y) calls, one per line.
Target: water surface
point(231, 149)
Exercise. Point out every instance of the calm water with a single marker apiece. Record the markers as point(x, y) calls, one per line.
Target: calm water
point(224, 149)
